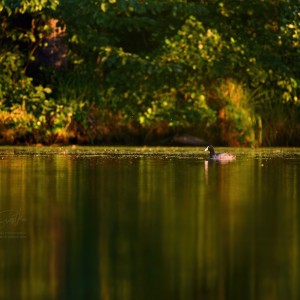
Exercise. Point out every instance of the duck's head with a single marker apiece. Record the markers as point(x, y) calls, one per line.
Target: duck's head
point(209, 148)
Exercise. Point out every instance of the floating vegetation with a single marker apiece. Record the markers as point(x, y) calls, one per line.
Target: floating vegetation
point(161, 153)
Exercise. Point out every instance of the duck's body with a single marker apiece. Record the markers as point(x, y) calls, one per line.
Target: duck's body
point(219, 156)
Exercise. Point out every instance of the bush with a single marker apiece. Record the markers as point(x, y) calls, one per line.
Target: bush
point(134, 71)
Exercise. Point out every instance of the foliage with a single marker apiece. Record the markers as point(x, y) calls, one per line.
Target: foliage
point(140, 68)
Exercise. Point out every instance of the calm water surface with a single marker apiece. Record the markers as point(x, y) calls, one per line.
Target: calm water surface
point(149, 223)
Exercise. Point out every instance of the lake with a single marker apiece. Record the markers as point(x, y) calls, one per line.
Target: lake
point(149, 223)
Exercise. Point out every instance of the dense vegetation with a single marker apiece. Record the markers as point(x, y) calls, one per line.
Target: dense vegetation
point(137, 71)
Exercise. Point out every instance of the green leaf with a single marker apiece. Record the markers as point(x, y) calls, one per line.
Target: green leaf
point(47, 90)
point(103, 7)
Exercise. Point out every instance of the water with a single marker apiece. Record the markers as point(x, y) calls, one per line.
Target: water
point(149, 223)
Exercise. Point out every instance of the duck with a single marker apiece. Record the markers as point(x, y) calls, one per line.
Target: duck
point(219, 156)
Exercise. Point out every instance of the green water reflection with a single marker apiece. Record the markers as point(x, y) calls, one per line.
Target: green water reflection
point(154, 224)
